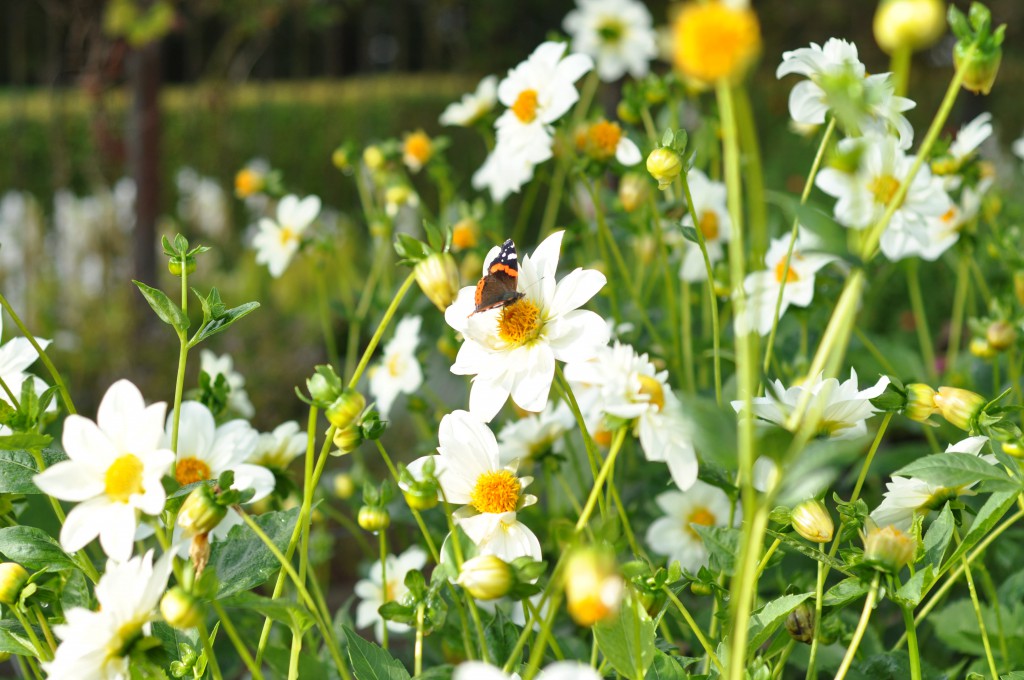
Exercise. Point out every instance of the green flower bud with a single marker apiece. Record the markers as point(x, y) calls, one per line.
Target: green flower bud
point(980, 68)
point(13, 578)
point(888, 549)
point(1001, 335)
point(800, 623)
point(913, 24)
point(346, 408)
point(347, 439)
point(627, 112)
point(374, 518)
point(920, 402)
point(174, 265)
point(341, 160)
point(438, 278)
point(811, 520)
point(980, 348)
point(180, 609)
point(664, 165)
point(373, 157)
point(958, 406)
point(200, 512)
point(421, 495)
point(1014, 449)
point(321, 389)
point(486, 577)
point(699, 588)
point(593, 587)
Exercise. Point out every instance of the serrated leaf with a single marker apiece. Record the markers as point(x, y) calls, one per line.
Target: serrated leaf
point(33, 549)
point(221, 323)
point(722, 544)
point(172, 639)
point(242, 560)
point(666, 667)
point(370, 662)
point(617, 639)
point(168, 312)
point(17, 468)
point(501, 636)
point(846, 591)
point(13, 639)
point(938, 536)
point(288, 612)
point(766, 620)
point(953, 470)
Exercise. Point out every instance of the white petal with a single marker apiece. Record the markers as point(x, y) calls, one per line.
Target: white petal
point(70, 481)
point(575, 289)
point(83, 524)
point(118, 531)
point(627, 152)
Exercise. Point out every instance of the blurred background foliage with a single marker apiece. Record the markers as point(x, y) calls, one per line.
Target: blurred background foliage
point(288, 81)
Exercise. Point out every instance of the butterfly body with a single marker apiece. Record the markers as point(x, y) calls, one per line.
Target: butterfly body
point(498, 287)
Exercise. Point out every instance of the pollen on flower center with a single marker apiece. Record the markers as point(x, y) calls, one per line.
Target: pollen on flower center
point(709, 224)
point(604, 138)
point(123, 478)
point(611, 30)
point(287, 235)
point(525, 106)
point(418, 146)
point(519, 322)
point(884, 188)
point(701, 516)
point(191, 470)
point(780, 270)
point(495, 492)
point(650, 387)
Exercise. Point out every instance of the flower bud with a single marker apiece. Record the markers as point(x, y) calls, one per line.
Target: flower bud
point(174, 266)
point(888, 549)
point(347, 440)
point(340, 159)
point(200, 512)
point(374, 518)
point(1018, 285)
point(811, 520)
point(421, 495)
point(632, 191)
point(958, 406)
point(344, 486)
point(438, 277)
point(980, 68)
point(593, 589)
point(627, 112)
point(373, 157)
point(920, 402)
point(664, 165)
point(13, 578)
point(800, 623)
point(981, 348)
point(486, 577)
point(1001, 335)
point(1014, 449)
point(321, 389)
point(199, 552)
point(180, 609)
point(912, 24)
point(249, 182)
point(346, 408)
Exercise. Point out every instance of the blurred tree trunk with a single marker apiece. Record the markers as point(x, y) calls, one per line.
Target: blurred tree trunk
point(144, 154)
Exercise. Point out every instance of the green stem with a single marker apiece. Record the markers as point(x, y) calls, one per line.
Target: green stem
point(595, 492)
point(45, 626)
point(418, 664)
point(956, 325)
point(326, 326)
point(819, 588)
point(780, 664)
point(755, 176)
point(179, 382)
point(236, 640)
point(470, 602)
point(293, 657)
point(695, 629)
point(899, 65)
point(383, 536)
point(924, 338)
point(211, 658)
point(368, 352)
point(41, 650)
point(862, 625)
point(912, 649)
point(978, 613)
point(54, 373)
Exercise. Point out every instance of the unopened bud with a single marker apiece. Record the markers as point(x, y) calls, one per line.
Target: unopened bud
point(421, 495)
point(811, 520)
point(888, 549)
point(373, 518)
point(980, 348)
point(438, 277)
point(200, 513)
point(465, 233)
point(180, 609)
point(373, 157)
point(347, 440)
point(633, 191)
point(911, 24)
point(486, 577)
point(1018, 286)
point(800, 623)
point(1001, 335)
point(664, 165)
point(346, 408)
point(593, 588)
point(958, 406)
point(344, 486)
point(920, 402)
point(174, 265)
point(980, 67)
point(13, 578)
point(341, 160)
point(1015, 449)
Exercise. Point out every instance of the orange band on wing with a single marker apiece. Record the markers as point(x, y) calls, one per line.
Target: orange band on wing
point(498, 267)
point(479, 292)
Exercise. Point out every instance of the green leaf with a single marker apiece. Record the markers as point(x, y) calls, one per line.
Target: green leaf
point(666, 667)
point(242, 560)
point(846, 591)
point(288, 612)
point(914, 589)
point(617, 639)
point(766, 620)
point(722, 544)
point(437, 673)
point(75, 592)
point(221, 323)
point(937, 538)
point(988, 516)
point(25, 440)
point(168, 312)
point(370, 662)
point(13, 639)
point(954, 470)
point(172, 640)
point(690, 234)
point(33, 549)
point(501, 636)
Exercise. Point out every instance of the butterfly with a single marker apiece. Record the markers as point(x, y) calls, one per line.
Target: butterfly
point(497, 288)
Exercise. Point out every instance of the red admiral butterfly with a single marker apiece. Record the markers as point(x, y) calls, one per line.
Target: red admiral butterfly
point(497, 288)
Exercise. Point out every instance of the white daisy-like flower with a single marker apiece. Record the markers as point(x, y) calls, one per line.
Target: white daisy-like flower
point(205, 450)
point(505, 170)
point(523, 440)
point(930, 240)
point(16, 355)
point(907, 497)
point(95, 644)
point(512, 350)
point(842, 408)
point(863, 196)
point(620, 383)
point(762, 287)
point(373, 592)
point(279, 448)
point(399, 371)
point(832, 63)
point(469, 470)
point(604, 140)
point(560, 670)
point(618, 34)
point(474, 105)
point(114, 471)
point(971, 136)
point(674, 536)
point(238, 398)
point(278, 241)
point(714, 223)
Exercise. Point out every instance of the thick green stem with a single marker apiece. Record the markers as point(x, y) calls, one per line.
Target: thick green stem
point(41, 650)
point(819, 588)
point(368, 352)
point(862, 625)
point(912, 648)
point(754, 184)
point(595, 492)
point(956, 324)
point(418, 663)
point(899, 65)
point(708, 649)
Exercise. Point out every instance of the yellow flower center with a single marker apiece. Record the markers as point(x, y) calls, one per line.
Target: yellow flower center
point(602, 437)
point(418, 147)
point(495, 492)
point(191, 470)
point(652, 388)
point(611, 30)
point(396, 365)
point(701, 516)
point(709, 225)
point(603, 138)
point(248, 182)
point(519, 322)
point(464, 234)
point(780, 270)
point(123, 478)
point(287, 234)
point(884, 188)
point(713, 41)
point(949, 216)
point(525, 106)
